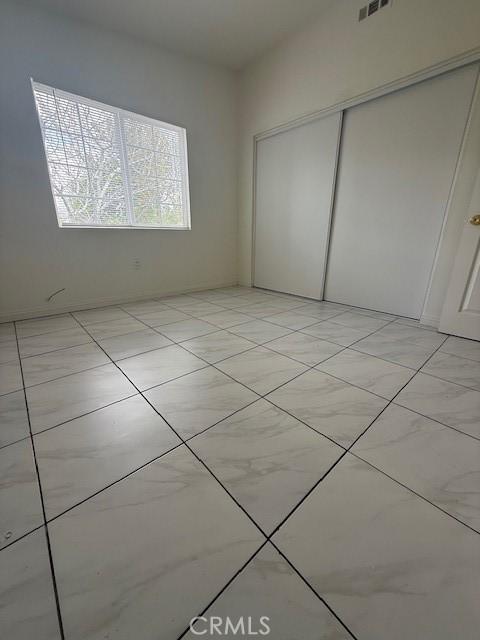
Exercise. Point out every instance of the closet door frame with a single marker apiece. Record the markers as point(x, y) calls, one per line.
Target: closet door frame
point(456, 62)
point(331, 207)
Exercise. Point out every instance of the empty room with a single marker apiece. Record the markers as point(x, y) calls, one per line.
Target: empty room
point(239, 319)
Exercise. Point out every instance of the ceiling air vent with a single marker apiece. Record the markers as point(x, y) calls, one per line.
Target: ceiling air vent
point(372, 7)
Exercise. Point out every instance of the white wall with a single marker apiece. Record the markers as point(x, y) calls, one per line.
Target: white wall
point(96, 266)
point(336, 59)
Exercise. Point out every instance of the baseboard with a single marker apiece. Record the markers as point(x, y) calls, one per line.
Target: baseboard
point(92, 303)
point(431, 321)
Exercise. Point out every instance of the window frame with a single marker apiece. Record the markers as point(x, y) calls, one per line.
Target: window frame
point(120, 115)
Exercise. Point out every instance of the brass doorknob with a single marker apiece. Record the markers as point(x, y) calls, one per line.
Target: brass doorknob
point(475, 219)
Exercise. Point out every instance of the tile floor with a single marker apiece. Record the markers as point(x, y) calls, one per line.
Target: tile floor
point(238, 452)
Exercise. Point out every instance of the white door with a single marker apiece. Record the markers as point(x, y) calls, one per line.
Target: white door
point(295, 174)
point(397, 161)
point(461, 311)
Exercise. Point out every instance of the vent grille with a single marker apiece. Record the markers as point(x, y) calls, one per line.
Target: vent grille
point(372, 7)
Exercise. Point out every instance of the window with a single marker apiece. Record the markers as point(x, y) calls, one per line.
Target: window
point(112, 168)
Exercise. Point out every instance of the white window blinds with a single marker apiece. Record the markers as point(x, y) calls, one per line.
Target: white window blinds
point(112, 168)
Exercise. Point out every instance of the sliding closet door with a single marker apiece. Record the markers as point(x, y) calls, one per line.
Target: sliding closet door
point(294, 187)
point(397, 163)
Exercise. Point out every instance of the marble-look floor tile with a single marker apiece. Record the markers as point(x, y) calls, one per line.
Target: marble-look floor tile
point(401, 344)
point(83, 456)
point(450, 404)
point(56, 364)
point(210, 295)
point(139, 309)
point(291, 320)
point(259, 310)
point(410, 322)
point(28, 608)
point(374, 314)
point(261, 370)
point(160, 318)
point(173, 298)
point(13, 418)
point(287, 304)
point(266, 459)
point(259, 331)
point(234, 290)
point(8, 350)
point(304, 348)
point(20, 506)
point(461, 347)
point(337, 333)
point(57, 401)
point(45, 342)
point(198, 400)
point(388, 563)
point(7, 331)
point(187, 329)
point(143, 557)
point(132, 344)
point(370, 373)
point(217, 346)
point(196, 308)
point(269, 589)
point(155, 367)
point(435, 461)
point(103, 330)
point(454, 369)
point(102, 314)
point(359, 321)
point(259, 299)
point(328, 405)
point(234, 302)
point(226, 319)
point(37, 326)
point(318, 311)
point(10, 377)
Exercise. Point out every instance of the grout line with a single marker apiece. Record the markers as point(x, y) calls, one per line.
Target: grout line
point(87, 413)
point(8, 444)
point(225, 587)
point(289, 562)
point(67, 375)
point(24, 535)
point(42, 502)
point(44, 353)
point(419, 495)
point(113, 483)
point(391, 400)
point(458, 384)
point(442, 424)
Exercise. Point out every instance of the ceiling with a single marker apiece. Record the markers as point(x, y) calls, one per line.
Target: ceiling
point(226, 32)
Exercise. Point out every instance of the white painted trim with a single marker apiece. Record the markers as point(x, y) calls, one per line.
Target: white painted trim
point(93, 303)
point(448, 214)
point(462, 60)
point(254, 214)
point(431, 321)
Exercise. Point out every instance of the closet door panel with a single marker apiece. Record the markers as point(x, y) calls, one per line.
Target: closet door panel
point(295, 173)
point(397, 162)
